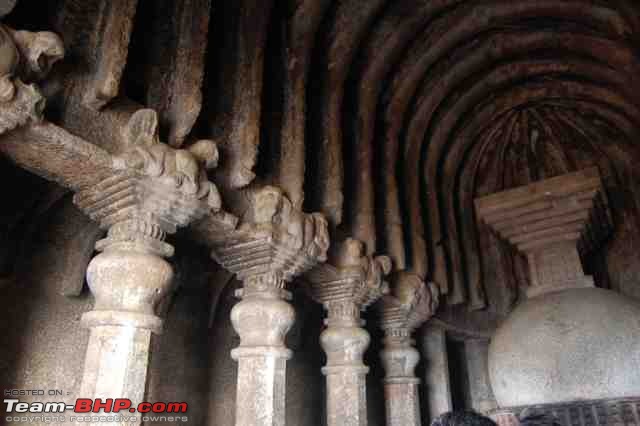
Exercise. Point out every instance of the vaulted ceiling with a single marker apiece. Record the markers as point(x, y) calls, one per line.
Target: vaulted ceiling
point(388, 116)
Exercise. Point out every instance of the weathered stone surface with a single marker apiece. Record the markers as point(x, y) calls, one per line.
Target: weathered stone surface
point(480, 392)
point(413, 302)
point(417, 106)
point(272, 244)
point(346, 289)
point(112, 46)
point(567, 346)
point(26, 57)
point(437, 383)
point(154, 190)
point(560, 345)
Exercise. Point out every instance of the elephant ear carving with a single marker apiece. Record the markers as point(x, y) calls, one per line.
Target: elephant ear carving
point(142, 129)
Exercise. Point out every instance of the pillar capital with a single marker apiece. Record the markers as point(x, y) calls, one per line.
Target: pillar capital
point(349, 282)
point(411, 303)
point(151, 189)
point(554, 223)
point(27, 57)
point(272, 244)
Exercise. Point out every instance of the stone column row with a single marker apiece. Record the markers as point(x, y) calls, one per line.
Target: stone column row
point(148, 192)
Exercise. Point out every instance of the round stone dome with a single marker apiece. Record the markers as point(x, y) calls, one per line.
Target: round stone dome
point(576, 344)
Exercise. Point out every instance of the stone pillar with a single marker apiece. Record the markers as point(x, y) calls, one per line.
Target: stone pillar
point(437, 382)
point(272, 245)
point(411, 304)
point(262, 319)
point(149, 191)
point(128, 278)
point(477, 354)
point(345, 290)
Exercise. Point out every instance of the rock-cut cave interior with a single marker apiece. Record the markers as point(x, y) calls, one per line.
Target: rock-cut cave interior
point(320, 212)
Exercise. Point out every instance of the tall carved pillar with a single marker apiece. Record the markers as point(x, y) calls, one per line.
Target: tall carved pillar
point(149, 191)
point(412, 303)
point(345, 290)
point(273, 244)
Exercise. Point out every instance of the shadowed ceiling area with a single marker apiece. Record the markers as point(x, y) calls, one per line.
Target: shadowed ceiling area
point(390, 117)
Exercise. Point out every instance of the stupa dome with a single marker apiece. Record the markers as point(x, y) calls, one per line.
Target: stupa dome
point(570, 345)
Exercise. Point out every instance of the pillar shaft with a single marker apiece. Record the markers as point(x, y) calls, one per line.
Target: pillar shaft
point(128, 279)
point(344, 342)
point(402, 402)
point(116, 363)
point(477, 354)
point(262, 319)
point(400, 384)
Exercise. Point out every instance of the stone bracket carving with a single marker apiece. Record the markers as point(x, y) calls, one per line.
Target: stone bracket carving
point(27, 57)
point(412, 303)
point(273, 241)
point(153, 190)
point(356, 279)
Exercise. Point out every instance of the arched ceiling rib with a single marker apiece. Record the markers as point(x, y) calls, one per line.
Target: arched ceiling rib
point(395, 114)
point(439, 90)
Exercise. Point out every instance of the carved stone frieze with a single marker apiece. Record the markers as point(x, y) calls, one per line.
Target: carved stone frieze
point(26, 57)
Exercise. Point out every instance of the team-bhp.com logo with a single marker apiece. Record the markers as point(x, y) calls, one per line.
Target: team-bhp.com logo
point(94, 410)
